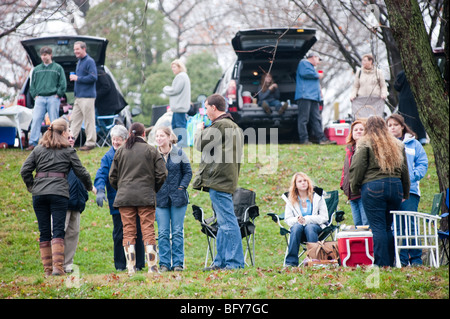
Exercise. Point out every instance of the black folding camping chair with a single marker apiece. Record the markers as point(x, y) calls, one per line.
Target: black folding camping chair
point(246, 210)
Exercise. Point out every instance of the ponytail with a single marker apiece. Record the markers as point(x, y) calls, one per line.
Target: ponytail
point(136, 131)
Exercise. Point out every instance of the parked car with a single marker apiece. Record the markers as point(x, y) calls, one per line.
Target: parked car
point(62, 47)
point(258, 51)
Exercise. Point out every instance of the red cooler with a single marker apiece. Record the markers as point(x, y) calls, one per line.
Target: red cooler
point(355, 247)
point(337, 132)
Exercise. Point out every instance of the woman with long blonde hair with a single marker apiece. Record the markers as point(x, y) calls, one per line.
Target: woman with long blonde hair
point(52, 158)
point(306, 213)
point(379, 171)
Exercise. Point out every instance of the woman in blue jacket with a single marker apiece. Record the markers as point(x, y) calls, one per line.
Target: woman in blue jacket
point(118, 136)
point(417, 167)
point(171, 201)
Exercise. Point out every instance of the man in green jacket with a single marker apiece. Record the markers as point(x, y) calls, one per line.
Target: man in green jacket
point(221, 146)
point(48, 85)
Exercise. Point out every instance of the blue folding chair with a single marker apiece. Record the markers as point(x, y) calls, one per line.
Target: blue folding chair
point(104, 124)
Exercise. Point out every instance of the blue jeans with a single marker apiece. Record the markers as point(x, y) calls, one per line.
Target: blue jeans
point(379, 198)
point(410, 256)
point(48, 208)
point(358, 213)
point(171, 220)
point(300, 234)
point(309, 116)
point(179, 124)
point(275, 103)
point(230, 254)
point(42, 105)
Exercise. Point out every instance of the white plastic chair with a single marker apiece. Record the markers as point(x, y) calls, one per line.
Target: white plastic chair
point(424, 234)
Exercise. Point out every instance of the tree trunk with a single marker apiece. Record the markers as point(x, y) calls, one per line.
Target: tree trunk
point(423, 75)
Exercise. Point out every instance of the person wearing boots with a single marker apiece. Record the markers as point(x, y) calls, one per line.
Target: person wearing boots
point(52, 160)
point(119, 134)
point(269, 95)
point(137, 173)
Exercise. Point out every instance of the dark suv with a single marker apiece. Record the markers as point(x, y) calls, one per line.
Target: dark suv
point(62, 47)
point(258, 51)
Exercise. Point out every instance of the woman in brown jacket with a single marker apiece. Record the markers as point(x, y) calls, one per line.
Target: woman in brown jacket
point(137, 173)
point(52, 159)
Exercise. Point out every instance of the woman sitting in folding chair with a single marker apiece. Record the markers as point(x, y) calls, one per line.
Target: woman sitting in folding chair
point(306, 214)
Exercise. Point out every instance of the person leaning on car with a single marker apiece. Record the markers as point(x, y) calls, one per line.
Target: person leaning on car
point(48, 85)
point(85, 94)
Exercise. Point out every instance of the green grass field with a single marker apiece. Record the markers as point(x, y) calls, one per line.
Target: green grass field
point(21, 272)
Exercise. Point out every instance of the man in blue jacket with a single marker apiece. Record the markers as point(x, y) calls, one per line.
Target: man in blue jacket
point(85, 94)
point(308, 96)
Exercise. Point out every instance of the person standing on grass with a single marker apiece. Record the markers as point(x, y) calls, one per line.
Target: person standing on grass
point(379, 171)
point(180, 100)
point(85, 93)
point(221, 145)
point(52, 160)
point(417, 166)
point(48, 85)
point(356, 132)
point(77, 204)
point(118, 136)
point(171, 201)
point(308, 95)
point(137, 173)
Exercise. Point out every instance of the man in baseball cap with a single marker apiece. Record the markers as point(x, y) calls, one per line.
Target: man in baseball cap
point(311, 54)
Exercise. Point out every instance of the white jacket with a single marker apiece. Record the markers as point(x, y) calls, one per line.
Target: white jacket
point(319, 212)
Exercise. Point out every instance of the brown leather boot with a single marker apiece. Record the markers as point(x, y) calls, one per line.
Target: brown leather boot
point(45, 248)
point(58, 256)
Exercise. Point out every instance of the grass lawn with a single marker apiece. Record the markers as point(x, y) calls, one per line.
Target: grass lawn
point(21, 271)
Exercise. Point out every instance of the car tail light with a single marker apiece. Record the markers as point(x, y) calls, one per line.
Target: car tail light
point(231, 91)
point(232, 109)
point(22, 100)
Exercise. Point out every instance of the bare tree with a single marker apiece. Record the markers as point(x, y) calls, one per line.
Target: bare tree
point(24, 19)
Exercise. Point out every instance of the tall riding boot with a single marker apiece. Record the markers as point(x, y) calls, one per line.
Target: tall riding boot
point(130, 254)
point(58, 256)
point(152, 258)
point(45, 247)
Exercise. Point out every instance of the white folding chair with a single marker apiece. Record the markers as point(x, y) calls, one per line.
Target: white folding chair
point(423, 234)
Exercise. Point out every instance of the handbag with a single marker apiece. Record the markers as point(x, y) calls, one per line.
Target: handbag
point(323, 250)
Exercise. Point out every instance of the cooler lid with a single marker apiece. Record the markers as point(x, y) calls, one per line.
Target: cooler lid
point(354, 233)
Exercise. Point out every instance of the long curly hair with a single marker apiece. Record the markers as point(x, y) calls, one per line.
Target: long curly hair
point(387, 149)
point(53, 137)
point(293, 190)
